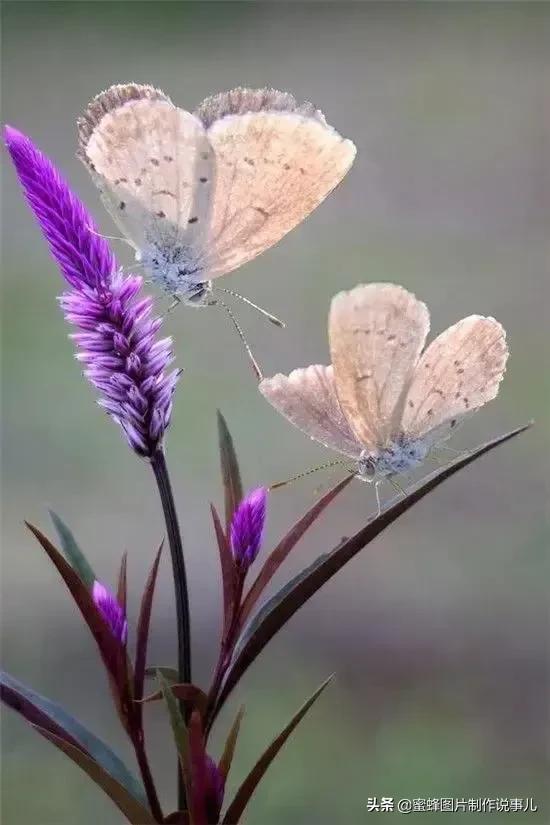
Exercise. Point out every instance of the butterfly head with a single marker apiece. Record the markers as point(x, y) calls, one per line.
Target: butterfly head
point(175, 268)
point(367, 467)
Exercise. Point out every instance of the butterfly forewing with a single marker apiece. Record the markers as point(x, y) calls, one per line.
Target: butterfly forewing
point(459, 372)
point(272, 169)
point(152, 162)
point(307, 398)
point(376, 334)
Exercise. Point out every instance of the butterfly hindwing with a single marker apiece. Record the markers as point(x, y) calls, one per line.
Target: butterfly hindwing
point(307, 398)
point(275, 162)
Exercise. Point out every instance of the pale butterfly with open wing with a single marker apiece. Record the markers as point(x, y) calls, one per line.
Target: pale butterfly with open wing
point(199, 194)
point(383, 402)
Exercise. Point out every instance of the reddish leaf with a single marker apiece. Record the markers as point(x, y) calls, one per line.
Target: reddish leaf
point(112, 652)
point(43, 713)
point(122, 589)
point(277, 557)
point(134, 812)
point(142, 633)
point(276, 612)
point(228, 571)
point(243, 795)
point(231, 476)
point(198, 770)
point(230, 743)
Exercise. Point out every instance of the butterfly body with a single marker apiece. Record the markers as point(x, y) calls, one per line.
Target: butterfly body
point(177, 270)
point(399, 456)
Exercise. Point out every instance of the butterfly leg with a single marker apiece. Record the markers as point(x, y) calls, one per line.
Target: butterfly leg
point(377, 491)
point(174, 304)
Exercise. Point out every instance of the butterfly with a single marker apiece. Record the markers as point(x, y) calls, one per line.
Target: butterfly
point(199, 194)
point(384, 402)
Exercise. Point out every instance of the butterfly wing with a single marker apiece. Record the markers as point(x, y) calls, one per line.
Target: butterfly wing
point(152, 163)
point(459, 372)
point(376, 335)
point(307, 398)
point(275, 162)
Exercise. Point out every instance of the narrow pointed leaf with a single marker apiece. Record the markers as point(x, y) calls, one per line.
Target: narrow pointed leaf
point(231, 476)
point(122, 589)
point(42, 712)
point(72, 551)
point(277, 557)
point(134, 812)
point(243, 795)
point(227, 566)
point(231, 741)
point(142, 633)
point(112, 652)
point(179, 730)
point(276, 612)
point(197, 763)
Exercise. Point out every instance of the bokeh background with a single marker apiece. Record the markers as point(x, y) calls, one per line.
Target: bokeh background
point(438, 633)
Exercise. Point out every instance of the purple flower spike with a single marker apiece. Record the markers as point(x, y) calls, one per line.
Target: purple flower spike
point(116, 336)
point(111, 611)
point(247, 527)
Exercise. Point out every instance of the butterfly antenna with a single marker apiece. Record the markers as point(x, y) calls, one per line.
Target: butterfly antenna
point(109, 237)
point(280, 484)
point(264, 312)
point(257, 371)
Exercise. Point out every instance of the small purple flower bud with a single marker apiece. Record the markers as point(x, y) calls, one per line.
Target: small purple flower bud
point(215, 788)
point(116, 337)
point(111, 611)
point(247, 527)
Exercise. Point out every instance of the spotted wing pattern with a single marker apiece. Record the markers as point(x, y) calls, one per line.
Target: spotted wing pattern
point(376, 334)
point(152, 163)
point(459, 372)
point(275, 161)
point(307, 398)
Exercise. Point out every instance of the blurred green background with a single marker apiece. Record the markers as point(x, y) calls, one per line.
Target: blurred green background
point(438, 633)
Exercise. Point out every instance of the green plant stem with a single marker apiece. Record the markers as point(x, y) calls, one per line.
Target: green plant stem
point(160, 469)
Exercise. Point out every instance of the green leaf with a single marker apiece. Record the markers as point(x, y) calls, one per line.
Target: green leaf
point(170, 673)
point(179, 729)
point(230, 743)
point(191, 696)
point(134, 812)
point(43, 713)
point(276, 612)
point(72, 551)
point(231, 476)
point(243, 795)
